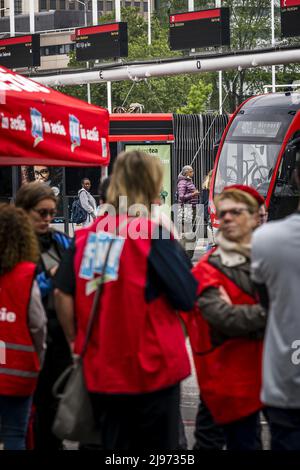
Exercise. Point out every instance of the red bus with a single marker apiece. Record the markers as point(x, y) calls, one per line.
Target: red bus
point(260, 147)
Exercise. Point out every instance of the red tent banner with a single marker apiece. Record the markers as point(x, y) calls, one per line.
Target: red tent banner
point(41, 126)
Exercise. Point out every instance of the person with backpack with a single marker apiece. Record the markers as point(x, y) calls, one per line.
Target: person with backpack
point(87, 202)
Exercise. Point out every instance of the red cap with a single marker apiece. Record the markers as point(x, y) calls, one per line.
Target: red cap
point(248, 189)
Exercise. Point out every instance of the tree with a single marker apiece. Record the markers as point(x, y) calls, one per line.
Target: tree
point(197, 99)
point(165, 94)
point(250, 29)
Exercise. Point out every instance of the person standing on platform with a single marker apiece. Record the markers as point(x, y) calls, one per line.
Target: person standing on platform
point(87, 202)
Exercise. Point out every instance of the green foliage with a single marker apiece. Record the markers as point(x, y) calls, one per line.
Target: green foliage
point(197, 99)
point(250, 29)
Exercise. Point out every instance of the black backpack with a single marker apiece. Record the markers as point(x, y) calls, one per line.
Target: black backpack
point(78, 214)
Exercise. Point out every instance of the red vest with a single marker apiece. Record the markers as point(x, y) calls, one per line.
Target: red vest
point(19, 363)
point(229, 376)
point(136, 347)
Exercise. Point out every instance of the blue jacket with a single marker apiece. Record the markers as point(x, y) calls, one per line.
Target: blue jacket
point(62, 243)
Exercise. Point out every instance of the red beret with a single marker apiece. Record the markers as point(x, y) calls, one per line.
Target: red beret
point(248, 189)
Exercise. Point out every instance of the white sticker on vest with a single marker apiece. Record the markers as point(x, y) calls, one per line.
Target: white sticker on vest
point(87, 263)
point(95, 254)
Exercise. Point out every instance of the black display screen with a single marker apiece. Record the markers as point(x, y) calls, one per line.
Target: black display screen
point(290, 18)
point(268, 129)
point(202, 28)
point(20, 51)
point(102, 42)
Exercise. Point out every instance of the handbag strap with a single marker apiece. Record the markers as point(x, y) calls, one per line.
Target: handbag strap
point(97, 297)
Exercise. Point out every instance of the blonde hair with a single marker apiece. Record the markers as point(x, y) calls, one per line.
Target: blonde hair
point(136, 175)
point(237, 195)
point(207, 180)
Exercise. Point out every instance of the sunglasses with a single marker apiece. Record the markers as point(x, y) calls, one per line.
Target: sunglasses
point(42, 173)
point(43, 213)
point(232, 212)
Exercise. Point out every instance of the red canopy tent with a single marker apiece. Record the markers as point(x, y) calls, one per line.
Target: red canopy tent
point(40, 126)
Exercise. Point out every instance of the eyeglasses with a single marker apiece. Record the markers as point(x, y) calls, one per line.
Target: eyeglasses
point(233, 212)
point(42, 173)
point(43, 213)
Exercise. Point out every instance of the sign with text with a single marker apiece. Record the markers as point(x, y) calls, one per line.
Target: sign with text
point(201, 28)
point(102, 41)
point(20, 51)
point(290, 18)
point(163, 152)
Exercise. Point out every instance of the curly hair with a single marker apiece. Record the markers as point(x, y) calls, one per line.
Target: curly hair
point(17, 238)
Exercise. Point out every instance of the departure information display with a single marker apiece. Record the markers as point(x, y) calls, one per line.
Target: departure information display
point(102, 41)
point(257, 129)
point(201, 28)
point(20, 51)
point(290, 18)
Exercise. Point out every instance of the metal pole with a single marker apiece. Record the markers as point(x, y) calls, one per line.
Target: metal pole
point(88, 86)
point(109, 104)
point(95, 12)
point(156, 69)
point(220, 93)
point(12, 17)
point(149, 23)
point(85, 13)
point(118, 10)
point(218, 5)
point(31, 16)
point(191, 5)
point(273, 44)
point(191, 8)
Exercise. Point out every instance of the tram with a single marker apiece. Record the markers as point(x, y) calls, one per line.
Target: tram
point(260, 147)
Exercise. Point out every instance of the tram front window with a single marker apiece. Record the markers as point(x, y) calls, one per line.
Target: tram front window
point(246, 163)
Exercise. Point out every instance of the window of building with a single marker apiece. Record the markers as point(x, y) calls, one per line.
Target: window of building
point(59, 49)
point(137, 4)
point(127, 4)
point(62, 4)
point(18, 7)
point(100, 6)
point(108, 6)
point(52, 4)
point(145, 6)
point(43, 5)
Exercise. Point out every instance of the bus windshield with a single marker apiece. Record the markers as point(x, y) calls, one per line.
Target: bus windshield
point(250, 163)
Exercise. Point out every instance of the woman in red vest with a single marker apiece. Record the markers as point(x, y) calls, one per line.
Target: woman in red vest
point(22, 325)
point(226, 332)
point(136, 357)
